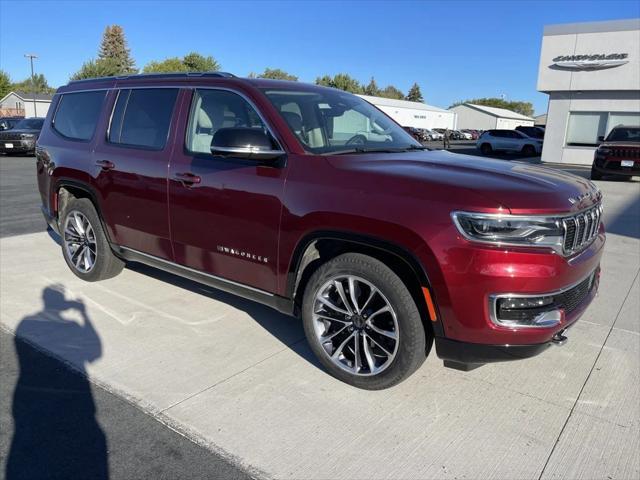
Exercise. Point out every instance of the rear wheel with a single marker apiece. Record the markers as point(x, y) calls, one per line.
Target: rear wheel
point(362, 322)
point(528, 150)
point(486, 149)
point(84, 243)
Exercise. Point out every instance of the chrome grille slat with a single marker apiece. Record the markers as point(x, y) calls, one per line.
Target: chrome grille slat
point(580, 229)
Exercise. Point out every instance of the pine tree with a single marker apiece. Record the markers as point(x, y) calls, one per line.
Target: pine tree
point(415, 95)
point(5, 83)
point(372, 88)
point(114, 47)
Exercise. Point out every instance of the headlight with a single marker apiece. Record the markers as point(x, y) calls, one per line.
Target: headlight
point(516, 230)
point(603, 151)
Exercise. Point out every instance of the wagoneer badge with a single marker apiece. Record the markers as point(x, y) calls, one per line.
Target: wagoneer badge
point(241, 253)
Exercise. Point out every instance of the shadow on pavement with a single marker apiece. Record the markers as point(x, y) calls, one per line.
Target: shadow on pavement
point(286, 329)
point(56, 433)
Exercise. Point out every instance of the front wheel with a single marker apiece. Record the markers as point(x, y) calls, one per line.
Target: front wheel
point(595, 175)
point(528, 151)
point(362, 322)
point(84, 243)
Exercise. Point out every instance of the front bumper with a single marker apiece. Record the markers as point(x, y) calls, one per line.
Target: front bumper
point(613, 166)
point(18, 146)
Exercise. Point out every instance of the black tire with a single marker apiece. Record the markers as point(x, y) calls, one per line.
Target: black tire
point(413, 343)
point(486, 149)
point(106, 264)
point(528, 151)
point(595, 175)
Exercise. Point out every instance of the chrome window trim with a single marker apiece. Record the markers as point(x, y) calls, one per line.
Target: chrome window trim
point(494, 297)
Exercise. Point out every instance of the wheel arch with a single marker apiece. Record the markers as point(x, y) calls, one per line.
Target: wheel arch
point(318, 247)
point(67, 187)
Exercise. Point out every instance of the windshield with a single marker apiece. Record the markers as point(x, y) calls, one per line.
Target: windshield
point(30, 124)
point(624, 134)
point(331, 122)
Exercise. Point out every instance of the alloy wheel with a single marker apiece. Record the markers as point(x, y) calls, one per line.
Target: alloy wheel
point(356, 325)
point(80, 241)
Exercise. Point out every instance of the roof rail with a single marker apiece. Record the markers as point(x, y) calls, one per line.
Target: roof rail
point(158, 75)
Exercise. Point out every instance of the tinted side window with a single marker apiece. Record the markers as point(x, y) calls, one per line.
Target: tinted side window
point(77, 114)
point(141, 117)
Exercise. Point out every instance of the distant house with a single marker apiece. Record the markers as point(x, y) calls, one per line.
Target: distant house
point(20, 104)
point(541, 120)
point(482, 117)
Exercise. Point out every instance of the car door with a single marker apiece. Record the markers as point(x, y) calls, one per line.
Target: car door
point(224, 213)
point(133, 159)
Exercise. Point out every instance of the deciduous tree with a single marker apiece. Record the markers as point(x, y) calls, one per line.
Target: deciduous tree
point(192, 62)
point(276, 74)
point(392, 92)
point(5, 83)
point(341, 81)
point(39, 82)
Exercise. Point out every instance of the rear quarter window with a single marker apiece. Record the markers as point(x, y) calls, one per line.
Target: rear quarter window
point(77, 114)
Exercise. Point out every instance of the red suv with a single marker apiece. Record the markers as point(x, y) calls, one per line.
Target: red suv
point(316, 203)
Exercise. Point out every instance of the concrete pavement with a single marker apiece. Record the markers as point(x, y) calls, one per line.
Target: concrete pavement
point(239, 379)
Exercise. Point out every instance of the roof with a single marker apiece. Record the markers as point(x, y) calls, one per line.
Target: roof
point(495, 112)
point(592, 27)
point(42, 97)
point(392, 102)
point(177, 75)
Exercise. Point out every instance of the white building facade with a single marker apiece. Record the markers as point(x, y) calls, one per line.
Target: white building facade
point(20, 104)
point(480, 117)
point(591, 72)
point(414, 114)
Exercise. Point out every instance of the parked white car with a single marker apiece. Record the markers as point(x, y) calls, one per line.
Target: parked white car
point(435, 135)
point(465, 135)
point(508, 141)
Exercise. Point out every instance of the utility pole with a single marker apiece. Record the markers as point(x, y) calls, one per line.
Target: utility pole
point(31, 56)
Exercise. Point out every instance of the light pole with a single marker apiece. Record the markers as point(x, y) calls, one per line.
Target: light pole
point(31, 56)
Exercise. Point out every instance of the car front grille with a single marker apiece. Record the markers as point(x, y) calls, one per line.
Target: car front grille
point(10, 136)
point(625, 152)
point(581, 229)
point(571, 299)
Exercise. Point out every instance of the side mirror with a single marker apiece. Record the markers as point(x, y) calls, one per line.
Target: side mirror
point(600, 138)
point(244, 143)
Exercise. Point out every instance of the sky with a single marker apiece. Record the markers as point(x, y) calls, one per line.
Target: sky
point(455, 50)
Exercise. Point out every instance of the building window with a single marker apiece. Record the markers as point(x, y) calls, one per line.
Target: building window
point(584, 128)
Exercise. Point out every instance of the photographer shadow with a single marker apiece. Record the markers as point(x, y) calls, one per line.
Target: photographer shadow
point(56, 434)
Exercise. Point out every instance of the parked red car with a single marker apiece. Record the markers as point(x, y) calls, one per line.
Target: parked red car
point(314, 202)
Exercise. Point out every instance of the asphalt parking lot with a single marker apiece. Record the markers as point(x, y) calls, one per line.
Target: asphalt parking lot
point(238, 380)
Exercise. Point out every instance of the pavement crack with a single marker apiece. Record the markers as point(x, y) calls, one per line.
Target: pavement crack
point(595, 362)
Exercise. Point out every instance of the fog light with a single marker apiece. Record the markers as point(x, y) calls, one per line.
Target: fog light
point(526, 311)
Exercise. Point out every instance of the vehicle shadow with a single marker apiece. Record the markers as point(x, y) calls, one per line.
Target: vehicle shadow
point(56, 434)
point(286, 329)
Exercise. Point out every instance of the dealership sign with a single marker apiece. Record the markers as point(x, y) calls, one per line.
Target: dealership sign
point(590, 62)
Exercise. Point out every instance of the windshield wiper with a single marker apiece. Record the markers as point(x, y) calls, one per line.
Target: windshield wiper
point(377, 150)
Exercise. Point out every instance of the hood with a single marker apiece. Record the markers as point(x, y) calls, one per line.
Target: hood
point(620, 144)
point(18, 131)
point(521, 187)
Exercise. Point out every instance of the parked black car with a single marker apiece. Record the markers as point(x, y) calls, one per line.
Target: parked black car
point(533, 132)
point(618, 154)
point(7, 123)
point(22, 137)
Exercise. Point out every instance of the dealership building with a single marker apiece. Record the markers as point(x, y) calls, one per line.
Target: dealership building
point(481, 117)
point(414, 114)
point(591, 72)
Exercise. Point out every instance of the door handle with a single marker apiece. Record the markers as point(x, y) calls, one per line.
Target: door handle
point(106, 164)
point(188, 178)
